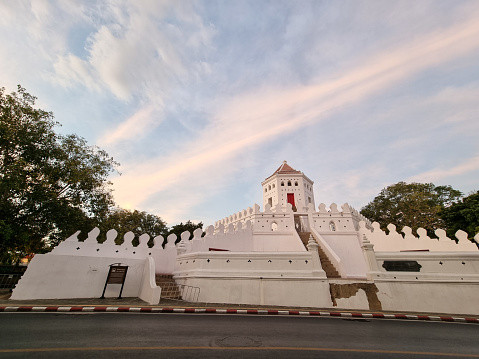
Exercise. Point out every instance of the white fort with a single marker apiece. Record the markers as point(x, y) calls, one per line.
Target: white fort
point(290, 253)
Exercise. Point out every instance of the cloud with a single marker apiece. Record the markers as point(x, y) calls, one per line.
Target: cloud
point(254, 118)
point(71, 70)
point(134, 50)
point(240, 86)
point(439, 174)
point(143, 120)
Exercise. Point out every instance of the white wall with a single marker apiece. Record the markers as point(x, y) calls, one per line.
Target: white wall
point(249, 264)
point(396, 242)
point(270, 278)
point(164, 258)
point(432, 297)
point(297, 292)
point(51, 276)
point(348, 249)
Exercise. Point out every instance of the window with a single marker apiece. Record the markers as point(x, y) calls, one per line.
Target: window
point(274, 185)
point(265, 190)
point(269, 188)
point(296, 183)
point(282, 183)
point(274, 226)
point(289, 183)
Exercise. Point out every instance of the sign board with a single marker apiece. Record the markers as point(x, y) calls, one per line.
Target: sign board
point(116, 275)
point(402, 266)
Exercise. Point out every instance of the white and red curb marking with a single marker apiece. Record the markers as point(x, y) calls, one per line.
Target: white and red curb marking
point(236, 311)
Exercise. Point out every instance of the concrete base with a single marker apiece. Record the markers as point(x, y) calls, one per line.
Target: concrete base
point(300, 292)
point(459, 298)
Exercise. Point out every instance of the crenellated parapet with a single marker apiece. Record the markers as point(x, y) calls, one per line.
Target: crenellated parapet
point(336, 220)
point(91, 247)
point(358, 217)
point(233, 237)
point(272, 219)
point(405, 240)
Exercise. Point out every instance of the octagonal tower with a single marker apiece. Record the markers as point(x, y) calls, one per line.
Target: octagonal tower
point(286, 185)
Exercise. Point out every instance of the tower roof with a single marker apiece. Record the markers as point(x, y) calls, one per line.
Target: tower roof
point(286, 169)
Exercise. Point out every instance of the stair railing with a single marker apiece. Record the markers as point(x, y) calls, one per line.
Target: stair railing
point(180, 292)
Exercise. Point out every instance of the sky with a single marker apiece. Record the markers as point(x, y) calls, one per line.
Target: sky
point(200, 101)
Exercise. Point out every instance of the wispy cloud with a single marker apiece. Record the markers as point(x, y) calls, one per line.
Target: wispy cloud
point(439, 174)
point(190, 96)
point(131, 129)
point(261, 116)
point(133, 52)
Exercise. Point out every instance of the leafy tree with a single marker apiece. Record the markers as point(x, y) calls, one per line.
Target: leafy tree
point(50, 185)
point(411, 204)
point(187, 226)
point(123, 220)
point(463, 215)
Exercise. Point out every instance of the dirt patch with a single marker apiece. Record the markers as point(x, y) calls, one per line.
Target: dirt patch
point(339, 291)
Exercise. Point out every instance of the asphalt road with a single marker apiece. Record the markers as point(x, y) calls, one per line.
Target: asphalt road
point(127, 335)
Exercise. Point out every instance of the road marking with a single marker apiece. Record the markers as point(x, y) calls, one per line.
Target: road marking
point(35, 350)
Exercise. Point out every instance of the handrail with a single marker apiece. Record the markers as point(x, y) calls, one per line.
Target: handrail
point(180, 292)
point(333, 257)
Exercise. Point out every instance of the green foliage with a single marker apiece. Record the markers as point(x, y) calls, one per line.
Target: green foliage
point(187, 226)
point(411, 204)
point(463, 215)
point(123, 220)
point(50, 185)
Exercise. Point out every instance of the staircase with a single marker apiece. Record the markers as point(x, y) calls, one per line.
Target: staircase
point(328, 267)
point(169, 288)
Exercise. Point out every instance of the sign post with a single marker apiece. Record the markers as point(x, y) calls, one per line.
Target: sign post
point(116, 275)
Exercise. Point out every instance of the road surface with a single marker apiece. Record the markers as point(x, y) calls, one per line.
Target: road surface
point(130, 335)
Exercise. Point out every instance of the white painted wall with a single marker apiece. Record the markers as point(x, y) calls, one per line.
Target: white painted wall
point(249, 264)
point(396, 242)
point(457, 266)
point(297, 292)
point(348, 249)
point(51, 276)
point(164, 258)
point(262, 278)
point(149, 291)
point(429, 297)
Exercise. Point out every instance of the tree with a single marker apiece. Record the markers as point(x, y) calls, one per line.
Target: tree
point(123, 220)
point(187, 226)
point(463, 215)
point(50, 185)
point(411, 204)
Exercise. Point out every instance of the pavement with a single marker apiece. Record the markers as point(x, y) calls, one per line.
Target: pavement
point(177, 306)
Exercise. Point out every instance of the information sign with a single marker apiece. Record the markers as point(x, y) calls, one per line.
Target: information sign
point(116, 275)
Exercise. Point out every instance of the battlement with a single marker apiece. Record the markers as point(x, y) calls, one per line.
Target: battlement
point(397, 242)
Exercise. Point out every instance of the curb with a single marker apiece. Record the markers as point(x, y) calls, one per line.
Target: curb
point(236, 311)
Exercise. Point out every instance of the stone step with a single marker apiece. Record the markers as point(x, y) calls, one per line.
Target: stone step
point(326, 264)
point(169, 288)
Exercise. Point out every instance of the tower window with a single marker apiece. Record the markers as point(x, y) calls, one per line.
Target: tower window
point(282, 184)
point(265, 190)
point(289, 183)
point(295, 183)
point(269, 188)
